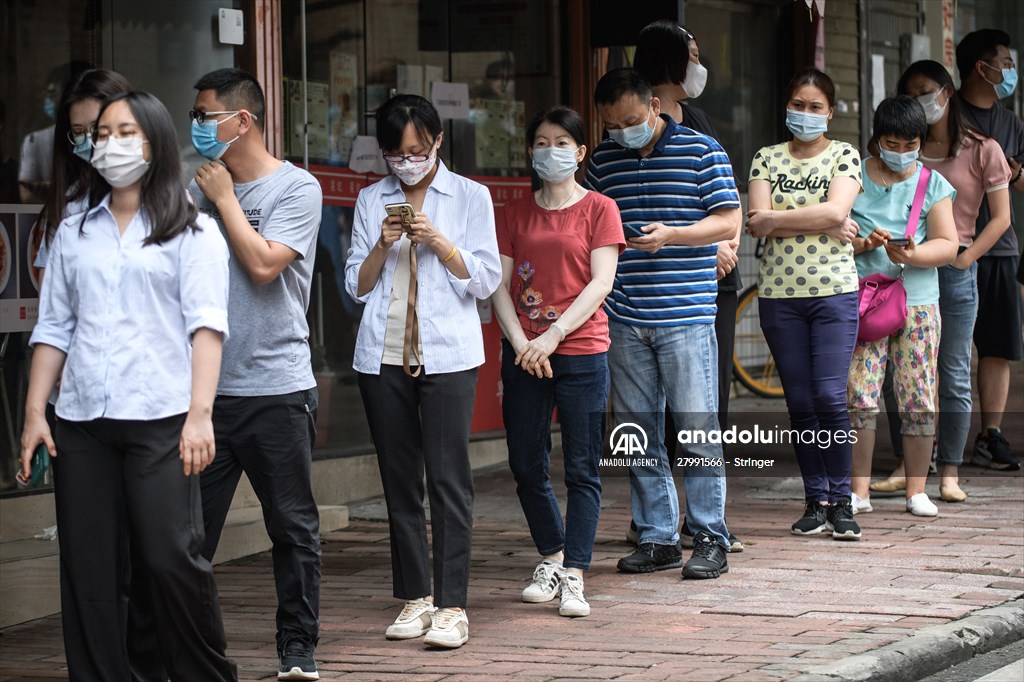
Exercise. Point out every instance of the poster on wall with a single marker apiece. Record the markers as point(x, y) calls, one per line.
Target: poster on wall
point(19, 280)
point(344, 107)
point(500, 133)
point(317, 97)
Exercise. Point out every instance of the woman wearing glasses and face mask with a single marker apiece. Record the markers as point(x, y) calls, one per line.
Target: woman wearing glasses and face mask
point(132, 317)
point(72, 174)
point(420, 273)
point(559, 252)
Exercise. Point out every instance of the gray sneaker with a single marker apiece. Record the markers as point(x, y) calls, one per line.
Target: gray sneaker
point(414, 621)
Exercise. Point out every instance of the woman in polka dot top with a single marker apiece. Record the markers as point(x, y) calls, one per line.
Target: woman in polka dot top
point(800, 195)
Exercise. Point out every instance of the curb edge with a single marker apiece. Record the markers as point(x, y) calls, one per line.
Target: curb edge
point(929, 650)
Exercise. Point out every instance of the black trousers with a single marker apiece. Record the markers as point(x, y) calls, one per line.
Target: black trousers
point(422, 424)
point(271, 439)
point(118, 483)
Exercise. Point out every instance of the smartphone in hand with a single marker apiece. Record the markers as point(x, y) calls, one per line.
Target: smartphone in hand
point(631, 231)
point(40, 463)
point(403, 210)
point(898, 241)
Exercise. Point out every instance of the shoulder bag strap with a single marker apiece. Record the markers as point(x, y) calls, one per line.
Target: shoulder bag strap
point(915, 209)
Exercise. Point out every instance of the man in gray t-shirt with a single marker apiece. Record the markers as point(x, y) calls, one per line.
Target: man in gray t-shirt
point(265, 413)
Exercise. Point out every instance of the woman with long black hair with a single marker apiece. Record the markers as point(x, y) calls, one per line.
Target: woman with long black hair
point(132, 318)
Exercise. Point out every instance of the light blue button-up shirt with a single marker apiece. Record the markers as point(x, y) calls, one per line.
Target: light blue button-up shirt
point(124, 313)
point(446, 305)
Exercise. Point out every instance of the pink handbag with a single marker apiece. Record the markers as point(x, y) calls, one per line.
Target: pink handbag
point(883, 300)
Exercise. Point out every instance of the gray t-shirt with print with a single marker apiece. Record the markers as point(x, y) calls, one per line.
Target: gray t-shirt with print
point(268, 350)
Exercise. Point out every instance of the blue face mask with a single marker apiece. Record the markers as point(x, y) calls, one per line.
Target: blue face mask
point(899, 162)
point(82, 147)
point(204, 138)
point(50, 107)
point(1009, 84)
point(804, 126)
point(633, 137)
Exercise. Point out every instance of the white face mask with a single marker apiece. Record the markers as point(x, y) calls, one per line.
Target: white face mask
point(932, 110)
point(696, 80)
point(555, 164)
point(120, 165)
point(411, 172)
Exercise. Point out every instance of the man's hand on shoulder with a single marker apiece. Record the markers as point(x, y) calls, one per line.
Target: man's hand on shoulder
point(215, 182)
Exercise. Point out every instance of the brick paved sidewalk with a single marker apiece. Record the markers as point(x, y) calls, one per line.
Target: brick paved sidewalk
point(788, 603)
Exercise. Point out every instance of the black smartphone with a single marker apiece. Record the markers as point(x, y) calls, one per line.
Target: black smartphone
point(631, 231)
point(899, 241)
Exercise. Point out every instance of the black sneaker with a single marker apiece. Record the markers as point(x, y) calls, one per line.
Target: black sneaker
point(686, 539)
point(992, 451)
point(650, 557)
point(297, 660)
point(840, 520)
point(708, 559)
point(813, 521)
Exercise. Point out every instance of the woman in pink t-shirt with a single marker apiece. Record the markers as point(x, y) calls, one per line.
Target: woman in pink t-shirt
point(974, 164)
point(559, 250)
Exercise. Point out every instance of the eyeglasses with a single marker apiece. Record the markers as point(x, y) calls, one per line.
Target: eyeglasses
point(1005, 64)
point(411, 158)
point(77, 136)
point(201, 116)
point(101, 138)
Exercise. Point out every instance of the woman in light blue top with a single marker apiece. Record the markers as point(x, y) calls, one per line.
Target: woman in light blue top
point(420, 273)
point(132, 317)
point(881, 246)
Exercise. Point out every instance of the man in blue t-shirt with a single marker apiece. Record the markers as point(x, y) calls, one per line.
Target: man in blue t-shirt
point(987, 75)
point(677, 196)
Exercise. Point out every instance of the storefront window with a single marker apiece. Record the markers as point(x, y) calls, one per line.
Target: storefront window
point(161, 47)
point(499, 66)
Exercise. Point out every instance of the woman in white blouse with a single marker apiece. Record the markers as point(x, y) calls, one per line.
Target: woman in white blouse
point(133, 313)
point(420, 273)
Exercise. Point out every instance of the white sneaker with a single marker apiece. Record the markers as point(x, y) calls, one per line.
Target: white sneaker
point(545, 583)
point(920, 505)
point(450, 629)
point(574, 604)
point(861, 506)
point(414, 620)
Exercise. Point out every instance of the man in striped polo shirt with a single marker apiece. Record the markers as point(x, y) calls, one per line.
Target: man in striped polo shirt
point(676, 192)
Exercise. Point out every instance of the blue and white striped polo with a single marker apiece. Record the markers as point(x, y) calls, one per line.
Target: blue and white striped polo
point(686, 176)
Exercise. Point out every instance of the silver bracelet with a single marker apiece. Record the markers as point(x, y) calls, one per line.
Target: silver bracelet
point(560, 329)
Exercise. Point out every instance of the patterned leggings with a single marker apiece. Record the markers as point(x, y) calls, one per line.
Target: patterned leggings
point(913, 351)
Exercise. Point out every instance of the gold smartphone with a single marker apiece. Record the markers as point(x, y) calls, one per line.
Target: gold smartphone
point(404, 211)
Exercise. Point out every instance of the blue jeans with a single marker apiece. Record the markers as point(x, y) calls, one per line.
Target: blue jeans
point(958, 306)
point(579, 389)
point(812, 341)
point(677, 366)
